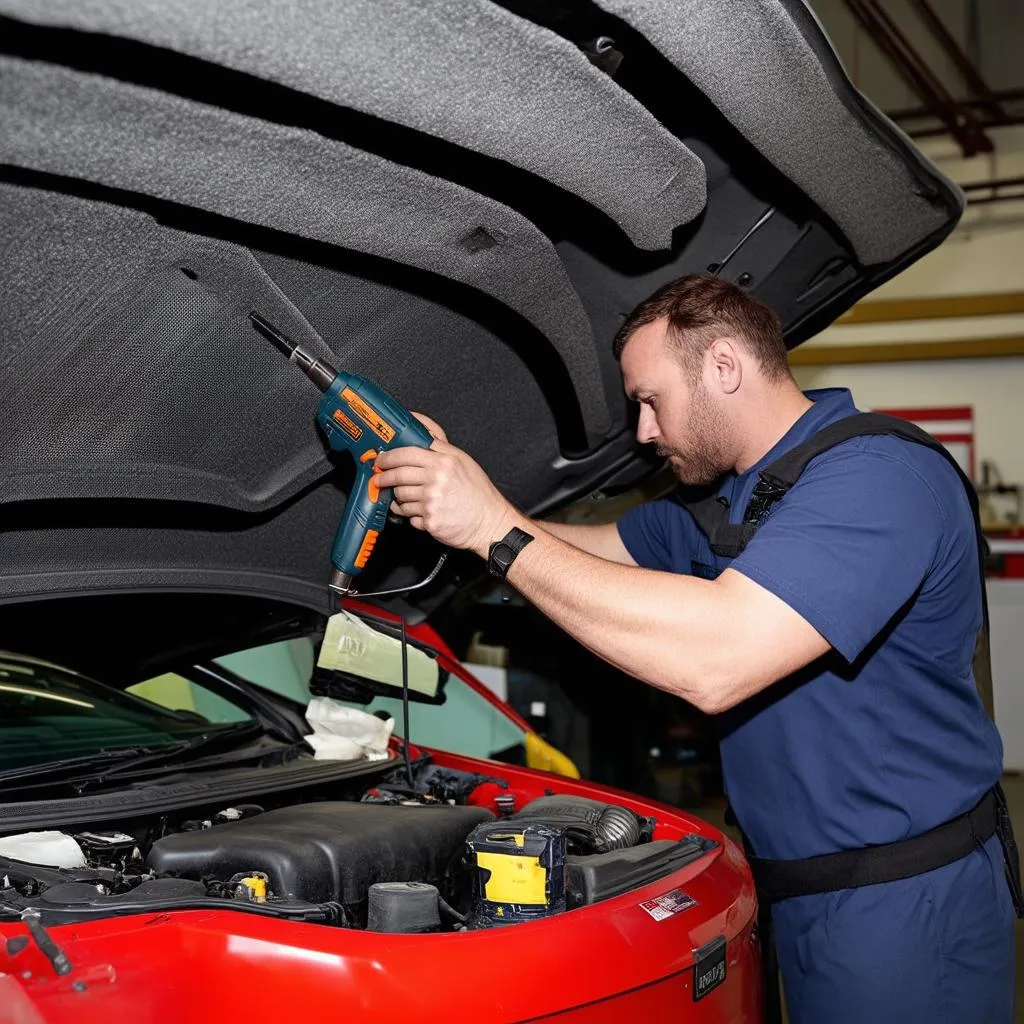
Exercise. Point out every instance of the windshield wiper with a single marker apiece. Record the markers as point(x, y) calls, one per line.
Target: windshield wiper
point(185, 750)
point(112, 762)
point(66, 764)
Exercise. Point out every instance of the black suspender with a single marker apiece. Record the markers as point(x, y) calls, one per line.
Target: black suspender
point(729, 539)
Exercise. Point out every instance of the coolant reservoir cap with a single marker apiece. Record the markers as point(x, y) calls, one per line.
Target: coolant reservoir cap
point(404, 907)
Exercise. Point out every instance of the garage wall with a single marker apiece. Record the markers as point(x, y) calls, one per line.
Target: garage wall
point(984, 254)
point(995, 387)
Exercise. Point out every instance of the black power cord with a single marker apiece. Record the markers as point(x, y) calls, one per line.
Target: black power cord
point(405, 705)
point(405, 590)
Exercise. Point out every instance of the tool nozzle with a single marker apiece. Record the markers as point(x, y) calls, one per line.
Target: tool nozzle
point(341, 582)
point(319, 372)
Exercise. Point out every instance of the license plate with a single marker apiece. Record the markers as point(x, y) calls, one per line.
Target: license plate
point(708, 967)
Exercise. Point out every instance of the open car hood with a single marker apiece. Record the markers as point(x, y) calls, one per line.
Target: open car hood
point(123, 639)
point(461, 200)
point(126, 638)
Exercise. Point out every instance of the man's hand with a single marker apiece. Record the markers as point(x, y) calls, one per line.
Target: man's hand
point(434, 429)
point(444, 492)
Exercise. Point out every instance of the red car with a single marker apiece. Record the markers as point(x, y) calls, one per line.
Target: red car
point(135, 878)
point(460, 200)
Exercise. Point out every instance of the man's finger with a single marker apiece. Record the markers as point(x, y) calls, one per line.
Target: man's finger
point(442, 447)
point(401, 475)
point(434, 428)
point(405, 494)
point(405, 457)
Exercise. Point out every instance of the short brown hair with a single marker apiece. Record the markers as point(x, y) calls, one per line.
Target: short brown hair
point(701, 308)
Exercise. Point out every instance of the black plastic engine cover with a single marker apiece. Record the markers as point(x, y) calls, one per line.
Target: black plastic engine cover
point(601, 876)
point(324, 851)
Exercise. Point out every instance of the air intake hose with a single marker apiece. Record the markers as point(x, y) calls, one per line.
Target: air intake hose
point(590, 825)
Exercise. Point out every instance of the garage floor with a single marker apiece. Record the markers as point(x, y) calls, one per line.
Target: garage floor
point(1014, 787)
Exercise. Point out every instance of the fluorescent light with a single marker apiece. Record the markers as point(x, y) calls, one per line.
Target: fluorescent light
point(25, 670)
point(45, 695)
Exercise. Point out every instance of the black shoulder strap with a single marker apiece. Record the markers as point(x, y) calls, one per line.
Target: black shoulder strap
point(775, 480)
point(729, 539)
point(712, 517)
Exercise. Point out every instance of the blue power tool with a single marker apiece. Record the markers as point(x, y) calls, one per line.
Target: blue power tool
point(357, 417)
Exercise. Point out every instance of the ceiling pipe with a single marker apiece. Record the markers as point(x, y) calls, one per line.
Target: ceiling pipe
point(915, 113)
point(995, 190)
point(997, 122)
point(971, 75)
point(958, 119)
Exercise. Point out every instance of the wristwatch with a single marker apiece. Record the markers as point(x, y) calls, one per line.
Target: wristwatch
point(502, 553)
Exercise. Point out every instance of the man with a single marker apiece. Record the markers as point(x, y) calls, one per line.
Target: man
point(836, 648)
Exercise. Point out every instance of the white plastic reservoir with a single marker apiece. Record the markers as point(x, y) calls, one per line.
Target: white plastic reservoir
point(52, 849)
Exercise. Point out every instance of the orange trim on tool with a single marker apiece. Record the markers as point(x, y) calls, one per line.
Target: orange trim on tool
point(366, 412)
point(371, 488)
point(368, 456)
point(366, 549)
point(353, 430)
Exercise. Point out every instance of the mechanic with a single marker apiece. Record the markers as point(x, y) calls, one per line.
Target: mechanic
point(835, 649)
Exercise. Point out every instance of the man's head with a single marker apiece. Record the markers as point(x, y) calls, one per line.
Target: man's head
point(694, 355)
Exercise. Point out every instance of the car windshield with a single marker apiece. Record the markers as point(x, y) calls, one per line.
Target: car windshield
point(463, 721)
point(48, 715)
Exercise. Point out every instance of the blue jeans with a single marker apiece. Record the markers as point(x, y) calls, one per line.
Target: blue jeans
point(934, 949)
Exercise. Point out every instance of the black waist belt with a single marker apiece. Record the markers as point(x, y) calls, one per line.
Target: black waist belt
point(871, 865)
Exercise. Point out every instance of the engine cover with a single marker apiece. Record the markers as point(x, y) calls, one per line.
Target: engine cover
point(325, 851)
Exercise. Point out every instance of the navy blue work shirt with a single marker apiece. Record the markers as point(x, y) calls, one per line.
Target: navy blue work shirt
point(885, 737)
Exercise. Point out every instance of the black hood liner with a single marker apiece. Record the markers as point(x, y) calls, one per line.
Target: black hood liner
point(156, 442)
point(123, 639)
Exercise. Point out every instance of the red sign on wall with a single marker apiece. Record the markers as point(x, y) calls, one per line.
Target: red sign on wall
point(952, 425)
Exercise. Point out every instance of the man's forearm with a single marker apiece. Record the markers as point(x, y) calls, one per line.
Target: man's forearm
point(660, 627)
point(602, 541)
point(563, 531)
point(714, 643)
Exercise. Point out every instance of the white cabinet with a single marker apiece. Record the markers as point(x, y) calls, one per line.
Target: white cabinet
point(1006, 614)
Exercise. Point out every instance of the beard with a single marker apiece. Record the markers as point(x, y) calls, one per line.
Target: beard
point(703, 459)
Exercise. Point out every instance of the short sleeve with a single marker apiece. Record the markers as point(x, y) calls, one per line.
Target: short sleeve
point(850, 544)
point(659, 535)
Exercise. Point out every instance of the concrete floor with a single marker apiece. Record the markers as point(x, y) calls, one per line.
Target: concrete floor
point(1013, 785)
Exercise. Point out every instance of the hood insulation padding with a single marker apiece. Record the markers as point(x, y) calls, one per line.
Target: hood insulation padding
point(138, 374)
point(751, 60)
point(447, 197)
point(133, 138)
point(463, 70)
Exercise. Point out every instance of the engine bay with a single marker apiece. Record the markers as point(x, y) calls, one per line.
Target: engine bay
point(428, 857)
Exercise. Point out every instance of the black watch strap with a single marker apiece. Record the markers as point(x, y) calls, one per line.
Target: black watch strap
point(502, 553)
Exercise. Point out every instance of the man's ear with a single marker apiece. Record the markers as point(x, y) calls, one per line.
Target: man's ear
point(726, 364)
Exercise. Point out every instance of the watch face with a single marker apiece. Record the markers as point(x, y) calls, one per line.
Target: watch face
point(503, 552)
point(500, 559)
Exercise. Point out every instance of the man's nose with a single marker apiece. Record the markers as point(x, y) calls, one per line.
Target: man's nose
point(647, 426)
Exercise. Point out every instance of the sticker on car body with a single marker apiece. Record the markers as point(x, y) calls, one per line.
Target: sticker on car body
point(669, 905)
